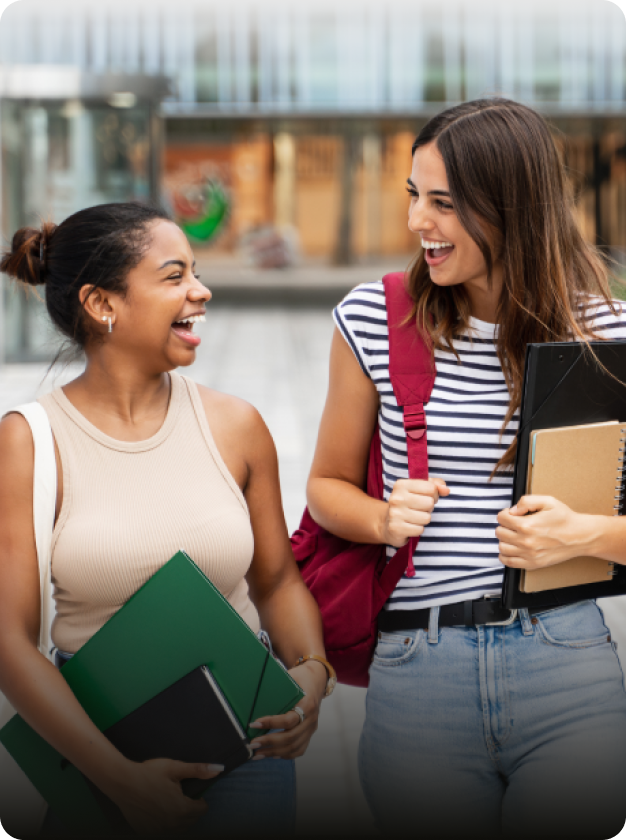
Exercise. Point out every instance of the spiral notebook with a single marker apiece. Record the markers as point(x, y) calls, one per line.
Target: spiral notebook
point(582, 467)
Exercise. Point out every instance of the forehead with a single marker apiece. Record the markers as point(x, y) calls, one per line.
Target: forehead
point(429, 168)
point(167, 242)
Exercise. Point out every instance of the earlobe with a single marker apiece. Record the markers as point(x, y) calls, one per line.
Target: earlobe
point(96, 304)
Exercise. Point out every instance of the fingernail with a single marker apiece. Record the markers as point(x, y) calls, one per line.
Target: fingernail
point(256, 725)
point(214, 768)
point(256, 745)
point(513, 509)
point(258, 758)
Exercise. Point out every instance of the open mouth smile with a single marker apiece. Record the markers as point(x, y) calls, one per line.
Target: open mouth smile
point(436, 252)
point(184, 329)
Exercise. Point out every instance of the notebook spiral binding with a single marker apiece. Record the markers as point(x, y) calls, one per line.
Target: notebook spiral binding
point(620, 485)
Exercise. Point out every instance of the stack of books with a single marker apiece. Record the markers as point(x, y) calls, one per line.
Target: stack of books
point(175, 673)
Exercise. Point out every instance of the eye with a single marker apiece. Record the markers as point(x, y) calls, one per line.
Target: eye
point(413, 193)
point(443, 205)
point(176, 276)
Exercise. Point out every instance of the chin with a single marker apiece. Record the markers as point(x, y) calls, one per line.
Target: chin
point(445, 281)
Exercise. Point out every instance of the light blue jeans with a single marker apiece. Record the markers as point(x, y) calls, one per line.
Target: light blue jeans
point(514, 731)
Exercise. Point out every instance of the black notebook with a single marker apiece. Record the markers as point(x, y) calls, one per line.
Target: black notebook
point(190, 721)
point(565, 385)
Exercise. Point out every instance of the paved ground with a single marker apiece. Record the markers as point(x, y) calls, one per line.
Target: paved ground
point(276, 357)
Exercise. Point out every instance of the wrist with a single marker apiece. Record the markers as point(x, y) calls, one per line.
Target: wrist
point(114, 778)
point(331, 676)
point(318, 675)
point(587, 535)
point(381, 536)
point(594, 536)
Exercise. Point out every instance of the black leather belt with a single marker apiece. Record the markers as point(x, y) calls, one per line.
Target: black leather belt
point(468, 613)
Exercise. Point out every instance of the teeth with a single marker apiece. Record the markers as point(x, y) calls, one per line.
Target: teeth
point(193, 319)
point(430, 245)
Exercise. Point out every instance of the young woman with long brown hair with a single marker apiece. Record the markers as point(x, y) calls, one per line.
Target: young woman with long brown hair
point(147, 462)
point(487, 725)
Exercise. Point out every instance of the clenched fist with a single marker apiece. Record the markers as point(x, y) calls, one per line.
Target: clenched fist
point(409, 508)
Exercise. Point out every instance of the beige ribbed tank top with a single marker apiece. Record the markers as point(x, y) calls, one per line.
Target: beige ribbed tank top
point(129, 506)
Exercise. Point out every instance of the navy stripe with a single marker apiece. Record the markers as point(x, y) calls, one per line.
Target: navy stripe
point(469, 389)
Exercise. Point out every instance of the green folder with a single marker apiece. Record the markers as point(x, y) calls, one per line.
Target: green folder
point(176, 622)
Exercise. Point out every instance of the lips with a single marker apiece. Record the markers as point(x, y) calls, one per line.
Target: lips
point(435, 257)
point(186, 334)
point(184, 329)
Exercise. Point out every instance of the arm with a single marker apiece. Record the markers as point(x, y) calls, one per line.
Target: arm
point(555, 533)
point(335, 493)
point(148, 794)
point(286, 607)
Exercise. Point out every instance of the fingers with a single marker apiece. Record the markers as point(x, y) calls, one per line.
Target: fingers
point(531, 504)
point(442, 487)
point(419, 492)
point(288, 744)
point(287, 721)
point(294, 738)
point(182, 770)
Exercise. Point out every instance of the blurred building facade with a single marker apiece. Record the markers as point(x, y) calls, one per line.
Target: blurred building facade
point(290, 118)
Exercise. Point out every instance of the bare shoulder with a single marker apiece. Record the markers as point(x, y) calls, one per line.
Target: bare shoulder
point(236, 425)
point(16, 439)
point(17, 453)
point(225, 408)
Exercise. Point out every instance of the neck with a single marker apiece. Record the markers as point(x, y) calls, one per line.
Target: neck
point(119, 399)
point(484, 297)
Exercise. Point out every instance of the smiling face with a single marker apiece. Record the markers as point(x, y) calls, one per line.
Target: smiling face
point(452, 255)
point(153, 322)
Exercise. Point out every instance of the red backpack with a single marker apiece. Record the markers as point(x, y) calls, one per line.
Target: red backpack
point(352, 581)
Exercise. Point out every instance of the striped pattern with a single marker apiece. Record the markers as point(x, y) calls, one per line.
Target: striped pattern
point(457, 556)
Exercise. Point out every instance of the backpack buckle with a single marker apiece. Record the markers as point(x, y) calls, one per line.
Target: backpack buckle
point(414, 421)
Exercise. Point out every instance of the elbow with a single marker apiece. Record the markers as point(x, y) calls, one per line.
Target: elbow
point(315, 497)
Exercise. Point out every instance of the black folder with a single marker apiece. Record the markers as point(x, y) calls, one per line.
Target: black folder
point(567, 385)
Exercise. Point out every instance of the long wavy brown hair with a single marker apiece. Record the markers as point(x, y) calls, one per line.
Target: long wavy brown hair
point(510, 192)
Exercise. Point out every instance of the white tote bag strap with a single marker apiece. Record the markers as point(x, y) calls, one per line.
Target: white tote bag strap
point(44, 506)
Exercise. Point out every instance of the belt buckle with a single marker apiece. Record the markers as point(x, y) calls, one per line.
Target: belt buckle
point(504, 623)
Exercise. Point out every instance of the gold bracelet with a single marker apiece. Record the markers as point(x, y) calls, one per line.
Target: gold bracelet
point(332, 676)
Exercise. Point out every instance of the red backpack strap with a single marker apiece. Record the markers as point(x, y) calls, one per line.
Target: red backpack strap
point(412, 374)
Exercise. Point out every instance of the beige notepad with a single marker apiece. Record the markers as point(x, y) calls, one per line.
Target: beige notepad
point(582, 467)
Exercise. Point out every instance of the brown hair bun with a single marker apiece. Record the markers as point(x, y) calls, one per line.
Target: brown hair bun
point(26, 261)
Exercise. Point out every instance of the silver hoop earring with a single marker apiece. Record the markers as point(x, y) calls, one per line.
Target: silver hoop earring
point(110, 325)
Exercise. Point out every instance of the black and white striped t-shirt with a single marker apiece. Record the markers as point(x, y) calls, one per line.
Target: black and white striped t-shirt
point(457, 555)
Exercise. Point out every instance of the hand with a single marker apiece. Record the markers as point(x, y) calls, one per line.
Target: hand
point(553, 534)
point(151, 799)
point(311, 676)
point(409, 508)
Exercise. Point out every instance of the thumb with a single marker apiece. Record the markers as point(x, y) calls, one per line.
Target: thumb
point(185, 770)
point(442, 487)
point(529, 504)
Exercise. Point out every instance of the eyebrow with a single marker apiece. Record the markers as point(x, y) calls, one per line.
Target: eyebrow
point(430, 192)
point(181, 263)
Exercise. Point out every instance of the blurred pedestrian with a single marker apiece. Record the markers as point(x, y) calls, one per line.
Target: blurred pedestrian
point(479, 722)
point(147, 462)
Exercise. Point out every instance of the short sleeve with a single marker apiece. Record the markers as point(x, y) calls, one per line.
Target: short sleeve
point(361, 317)
point(607, 324)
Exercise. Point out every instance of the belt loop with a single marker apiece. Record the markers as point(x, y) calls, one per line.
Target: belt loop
point(468, 613)
point(527, 626)
point(433, 626)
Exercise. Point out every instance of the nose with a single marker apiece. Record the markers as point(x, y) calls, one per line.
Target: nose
point(418, 217)
point(198, 292)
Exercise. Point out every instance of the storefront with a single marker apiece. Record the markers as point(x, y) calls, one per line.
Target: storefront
point(69, 140)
